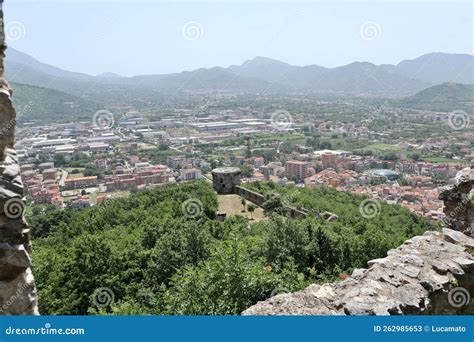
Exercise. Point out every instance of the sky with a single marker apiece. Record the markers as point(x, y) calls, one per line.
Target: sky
point(133, 37)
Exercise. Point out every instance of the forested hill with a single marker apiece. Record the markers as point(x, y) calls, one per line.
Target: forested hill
point(43, 105)
point(162, 251)
point(444, 97)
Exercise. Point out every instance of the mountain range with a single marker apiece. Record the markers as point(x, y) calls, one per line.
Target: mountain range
point(258, 75)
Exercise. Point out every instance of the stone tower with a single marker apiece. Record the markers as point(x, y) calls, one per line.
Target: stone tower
point(224, 179)
point(17, 285)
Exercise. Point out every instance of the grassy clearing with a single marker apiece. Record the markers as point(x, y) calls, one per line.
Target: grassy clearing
point(231, 204)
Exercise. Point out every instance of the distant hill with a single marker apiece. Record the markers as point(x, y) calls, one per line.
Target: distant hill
point(43, 105)
point(365, 78)
point(439, 67)
point(200, 80)
point(258, 75)
point(354, 78)
point(278, 72)
point(109, 75)
point(22, 68)
point(448, 96)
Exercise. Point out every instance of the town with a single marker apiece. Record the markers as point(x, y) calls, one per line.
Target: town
point(369, 149)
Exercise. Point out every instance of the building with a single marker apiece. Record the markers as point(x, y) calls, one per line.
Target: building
point(383, 174)
point(216, 126)
point(296, 169)
point(49, 174)
point(101, 163)
point(258, 161)
point(45, 196)
point(329, 160)
point(45, 166)
point(52, 143)
point(190, 174)
point(97, 147)
point(80, 183)
point(176, 162)
point(79, 202)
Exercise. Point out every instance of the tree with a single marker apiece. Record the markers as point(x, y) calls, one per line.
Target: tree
point(59, 160)
point(226, 284)
point(415, 156)
point(286, 147)
point(163, 147)
point(248, 151)
point(246, 171)
point(158, 258)
point(243, 202)
point(326, 145)
point(390, 156)
point(273, 205)
point(251, 208)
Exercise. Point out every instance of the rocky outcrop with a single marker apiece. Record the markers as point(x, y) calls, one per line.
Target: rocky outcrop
point(428, 274)
point(458, 204)
point(17, 286)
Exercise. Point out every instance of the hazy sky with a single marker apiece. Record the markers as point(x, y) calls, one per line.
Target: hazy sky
point(148, 37)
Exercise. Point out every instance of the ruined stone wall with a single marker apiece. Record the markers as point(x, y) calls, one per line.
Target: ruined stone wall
point(428, 274)
point(259, 199)
point(17, 286)
point(250, 195)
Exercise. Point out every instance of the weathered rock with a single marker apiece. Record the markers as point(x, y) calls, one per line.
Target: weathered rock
point(17, 286)
point(458, 205)
point(18, 296)
point(15, 260)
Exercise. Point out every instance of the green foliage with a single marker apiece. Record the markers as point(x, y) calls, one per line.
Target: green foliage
point(158, 260)
point(43, 105)
point(246, 171)
point(442, 97)
point(226, 284)
point(329, 247)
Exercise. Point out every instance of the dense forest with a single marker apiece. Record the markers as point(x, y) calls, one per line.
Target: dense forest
point(43, 105)
point(155, 256)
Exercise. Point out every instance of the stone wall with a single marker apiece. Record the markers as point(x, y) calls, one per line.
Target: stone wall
point(259, 199)
point(428, 274)
point(17, 286)
point(250, 195)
